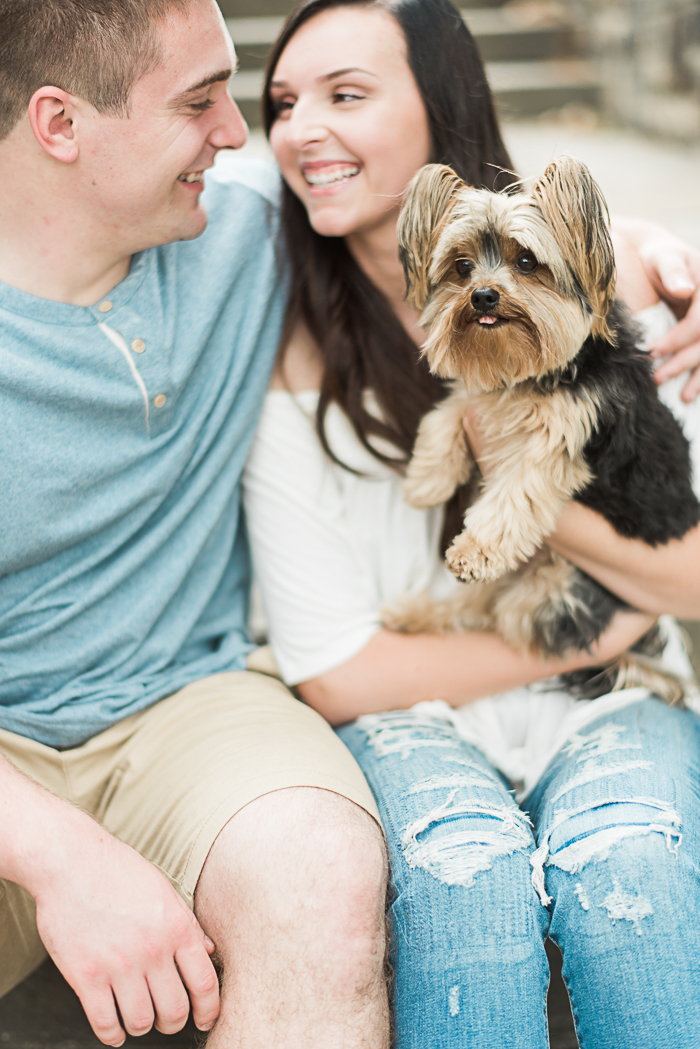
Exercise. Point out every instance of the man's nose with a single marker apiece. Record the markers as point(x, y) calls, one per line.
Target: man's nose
point(231, 131)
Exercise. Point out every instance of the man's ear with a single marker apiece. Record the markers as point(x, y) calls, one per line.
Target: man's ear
point(429, 197)
point(574, 208)
point(52, 113)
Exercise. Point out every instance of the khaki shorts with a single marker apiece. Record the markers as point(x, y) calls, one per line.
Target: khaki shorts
point(168, 779)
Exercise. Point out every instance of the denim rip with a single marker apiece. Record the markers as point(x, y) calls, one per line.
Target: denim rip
point(454, 858)
point(596, 846)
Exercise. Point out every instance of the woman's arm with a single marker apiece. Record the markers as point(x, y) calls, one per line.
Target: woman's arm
point(656, 579)
point(394, 671)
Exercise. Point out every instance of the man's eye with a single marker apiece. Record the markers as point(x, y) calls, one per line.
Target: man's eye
point(463, 267)
point(202, 107)
point(526, 262)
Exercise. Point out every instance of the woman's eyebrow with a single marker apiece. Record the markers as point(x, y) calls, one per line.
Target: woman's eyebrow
point(329, 76)
point(344, 72)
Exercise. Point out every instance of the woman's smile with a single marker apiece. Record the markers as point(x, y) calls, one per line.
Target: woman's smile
point(327, 177)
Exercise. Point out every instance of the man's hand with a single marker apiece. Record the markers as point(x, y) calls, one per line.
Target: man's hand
point(674, 269)
point(113, 924)
point(122, 936)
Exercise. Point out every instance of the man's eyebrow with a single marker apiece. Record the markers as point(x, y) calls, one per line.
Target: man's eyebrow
point(331, 76)
point(215, 78)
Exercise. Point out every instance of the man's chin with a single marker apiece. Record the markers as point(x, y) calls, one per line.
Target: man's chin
point(179, 227)
point(194, 225)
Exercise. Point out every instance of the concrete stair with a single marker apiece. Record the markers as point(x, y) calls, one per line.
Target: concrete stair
point(44, 1013)
point(532, 50)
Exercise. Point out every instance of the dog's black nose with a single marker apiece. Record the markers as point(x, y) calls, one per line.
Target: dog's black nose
point(484, 299)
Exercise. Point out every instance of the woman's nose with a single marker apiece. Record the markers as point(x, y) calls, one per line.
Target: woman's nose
point(304, 127)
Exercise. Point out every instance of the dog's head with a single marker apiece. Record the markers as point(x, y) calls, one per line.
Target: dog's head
point(510, 286)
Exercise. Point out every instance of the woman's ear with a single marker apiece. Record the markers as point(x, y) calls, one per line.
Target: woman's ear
point(574, 208)
point(429, 197)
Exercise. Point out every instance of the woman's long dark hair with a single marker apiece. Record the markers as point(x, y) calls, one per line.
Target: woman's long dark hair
point(363, 344)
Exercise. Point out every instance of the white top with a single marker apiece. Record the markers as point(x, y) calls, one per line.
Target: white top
point(331, 547)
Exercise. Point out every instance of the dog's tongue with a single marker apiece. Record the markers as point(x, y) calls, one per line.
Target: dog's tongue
point(487, 320)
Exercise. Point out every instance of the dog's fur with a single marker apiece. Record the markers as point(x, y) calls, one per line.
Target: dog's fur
point(564, 399)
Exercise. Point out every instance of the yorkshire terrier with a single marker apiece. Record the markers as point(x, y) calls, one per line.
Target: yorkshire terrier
point(517, 292)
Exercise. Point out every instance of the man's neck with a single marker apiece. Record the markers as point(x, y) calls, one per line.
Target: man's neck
point(48, 246)
point(60, 275)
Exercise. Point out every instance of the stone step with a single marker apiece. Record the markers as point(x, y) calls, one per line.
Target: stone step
point(530, 30)
point(44, 1013)
point(521, 89)
point(525, 89)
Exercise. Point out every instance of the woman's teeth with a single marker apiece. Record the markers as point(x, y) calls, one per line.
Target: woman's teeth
point(326, 178)
point(194, 176)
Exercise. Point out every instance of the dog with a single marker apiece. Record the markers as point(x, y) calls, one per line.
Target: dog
point(517, 293)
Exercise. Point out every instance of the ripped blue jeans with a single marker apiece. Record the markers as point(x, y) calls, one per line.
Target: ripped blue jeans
point(605, 862)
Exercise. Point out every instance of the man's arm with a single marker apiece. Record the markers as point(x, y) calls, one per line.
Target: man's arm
point(110, 920)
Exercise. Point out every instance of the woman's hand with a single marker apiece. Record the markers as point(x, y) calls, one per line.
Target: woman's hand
point(673, 268)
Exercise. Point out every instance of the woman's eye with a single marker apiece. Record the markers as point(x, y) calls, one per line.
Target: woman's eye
point(463, 267)
point(526, 262)
point(346, 96)
point(280, 106)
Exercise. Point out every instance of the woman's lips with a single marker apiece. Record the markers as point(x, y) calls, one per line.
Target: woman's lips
point(324, 178)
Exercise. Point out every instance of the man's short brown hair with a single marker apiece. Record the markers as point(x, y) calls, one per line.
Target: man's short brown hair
point(95, 49)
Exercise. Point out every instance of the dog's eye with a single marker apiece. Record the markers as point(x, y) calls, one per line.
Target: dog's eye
point(463, 267)
point(526, 262)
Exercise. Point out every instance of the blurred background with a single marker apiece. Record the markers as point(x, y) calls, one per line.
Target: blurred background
point(614, 83)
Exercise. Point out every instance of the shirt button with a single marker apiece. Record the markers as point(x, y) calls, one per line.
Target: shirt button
point(105, 306)
point(138, 345)
point(159, 400)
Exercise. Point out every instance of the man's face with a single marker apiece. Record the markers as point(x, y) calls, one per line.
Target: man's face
point(141, 175)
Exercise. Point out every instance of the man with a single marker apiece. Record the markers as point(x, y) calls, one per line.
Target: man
point(143, 771)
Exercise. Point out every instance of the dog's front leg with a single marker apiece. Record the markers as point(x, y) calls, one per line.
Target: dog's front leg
point(441, 459)
point(536, 468)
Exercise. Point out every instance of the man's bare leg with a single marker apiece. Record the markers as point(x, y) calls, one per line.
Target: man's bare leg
point(293, 895)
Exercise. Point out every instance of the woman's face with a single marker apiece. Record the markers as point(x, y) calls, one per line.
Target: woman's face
point(351, 129)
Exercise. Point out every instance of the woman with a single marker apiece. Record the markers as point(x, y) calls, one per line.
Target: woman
point(358, 97)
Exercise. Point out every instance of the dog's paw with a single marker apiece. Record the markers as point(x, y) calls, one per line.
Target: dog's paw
point(475, 562)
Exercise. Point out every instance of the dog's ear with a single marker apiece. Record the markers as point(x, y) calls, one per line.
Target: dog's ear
point(574, 208)
point(428, 198)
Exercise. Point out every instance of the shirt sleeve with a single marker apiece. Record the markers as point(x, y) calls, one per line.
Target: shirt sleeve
point(320, 600)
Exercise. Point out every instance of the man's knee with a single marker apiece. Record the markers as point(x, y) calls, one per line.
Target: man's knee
point(306, 864)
